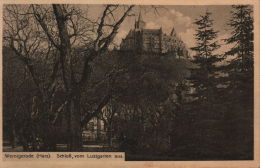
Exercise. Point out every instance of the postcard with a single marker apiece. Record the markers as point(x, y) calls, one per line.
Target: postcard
point(130, 83)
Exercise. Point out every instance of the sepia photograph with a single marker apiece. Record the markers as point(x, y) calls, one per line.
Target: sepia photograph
point(156, 82)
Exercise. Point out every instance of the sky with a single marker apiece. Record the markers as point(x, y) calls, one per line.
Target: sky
point(179, 17)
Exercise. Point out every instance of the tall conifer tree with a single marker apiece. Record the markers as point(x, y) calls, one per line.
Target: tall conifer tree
point(240, 68)
point(241, 24)
point(240, 65)
point(204, 125)
point(203, 77)
point(237, 97)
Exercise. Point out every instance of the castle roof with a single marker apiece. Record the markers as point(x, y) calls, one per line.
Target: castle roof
point(152, 31)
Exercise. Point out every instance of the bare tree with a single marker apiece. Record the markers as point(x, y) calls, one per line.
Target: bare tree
point(38, 55)
point(44, 37)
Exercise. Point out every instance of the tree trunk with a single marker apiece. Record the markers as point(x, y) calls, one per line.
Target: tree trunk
point(75, 141)
point(109, 130)
point(13, 136)
point(75, 126)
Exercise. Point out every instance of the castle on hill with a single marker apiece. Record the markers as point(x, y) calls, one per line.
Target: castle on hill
point(142, 40)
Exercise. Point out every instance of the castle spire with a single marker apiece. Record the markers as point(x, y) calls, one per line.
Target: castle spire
point(140, 24)
point(173, 33)
point(140, 17)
